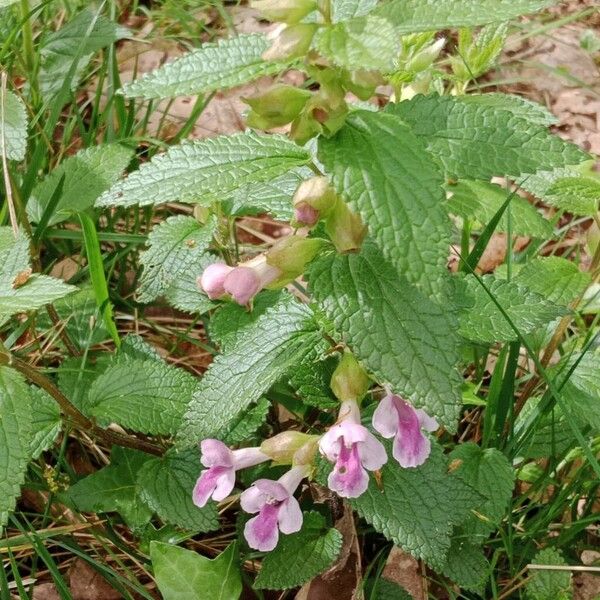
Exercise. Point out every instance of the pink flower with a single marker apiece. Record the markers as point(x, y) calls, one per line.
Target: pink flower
point(394, 417)
point(213, 278)
point(276, 506)
point(247, 279)
point(305, 214)
point(354, 449)
point(218, 479)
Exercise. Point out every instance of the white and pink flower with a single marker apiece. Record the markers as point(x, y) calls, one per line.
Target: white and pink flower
point(354, 450)
point(396, 418)
point(218, 479)
point(276, 506)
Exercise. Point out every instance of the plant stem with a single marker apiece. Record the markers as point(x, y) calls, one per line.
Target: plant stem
point(28, 49)
point(71, 411)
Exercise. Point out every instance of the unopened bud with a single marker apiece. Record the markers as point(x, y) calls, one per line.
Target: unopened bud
point(305, 215)
point(282, 447)
point(277, 106)
point(291, 255)
point(424, 58)
point(349, 380)
point(305, 127)
point(345, 228)
point(213, 278)
point(249, 278)
point(316, 192)
point(292, 42)
point(287, 11)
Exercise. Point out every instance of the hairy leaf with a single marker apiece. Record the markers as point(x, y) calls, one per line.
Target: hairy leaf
point(206, 170)
point(220, 66)
point(384, 172)
point(16, 434)
point(247, 423)
point(166, 486)
point(274, 343)
point(520, 107)
point(15, 255)
point(311, 380)
point(342, 10)
point(13, 126)
point(46, 421)
point(403, 338)
point(476, 141)
point(549, 584)
point(466, 564)
point(301, 556)
point(87, 174)
point(579, 195)
point(185, 575)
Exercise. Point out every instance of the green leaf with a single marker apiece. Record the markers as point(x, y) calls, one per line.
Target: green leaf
point(143, 395)
point(403, 337)
point(578, 195)
point(167, 485)
point(383, 589)
point(87, 174)
point(417, 508)
point(220, 66)
point(426, 15)
point(549, 584)
point(16, 433)
point(361, 43)
point(540, 182)
point(482, 321)
point(247, 423)
point(266, 350)
point(557, 279)
point(520, 107)
point(301, 556)
point(114, 488)
point(311, 380)
point(476, 141)
point(46, 421)
point(175, 248)
point(185, 575)
point(5, 3)
point(489, 472)
point(466, 565)
point(482, 200)
point(184, 293)
point(384, 172)
point(206, 170)
point(15, 255)
point(342, 10)
point(13, 126)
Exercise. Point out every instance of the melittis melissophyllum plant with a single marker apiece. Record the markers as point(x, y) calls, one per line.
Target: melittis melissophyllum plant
point(349, 323)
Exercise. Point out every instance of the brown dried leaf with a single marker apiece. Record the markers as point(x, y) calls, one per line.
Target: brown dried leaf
point(88, 584)
point(403, 569)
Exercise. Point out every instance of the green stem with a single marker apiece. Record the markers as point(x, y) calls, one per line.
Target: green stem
point(28, 49)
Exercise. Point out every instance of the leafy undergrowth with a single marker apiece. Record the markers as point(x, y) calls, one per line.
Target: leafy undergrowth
point(366, 249)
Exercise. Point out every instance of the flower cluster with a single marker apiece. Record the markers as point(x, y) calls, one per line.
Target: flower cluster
point(348, 444)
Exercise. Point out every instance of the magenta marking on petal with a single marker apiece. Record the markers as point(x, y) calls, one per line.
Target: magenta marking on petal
point(348, 478)
point(262, 532)
point(411, 446)
point(206, 485)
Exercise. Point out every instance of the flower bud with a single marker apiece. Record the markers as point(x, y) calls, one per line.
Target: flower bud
point(242, 284)
point(424, 58)
point(294, 41)
point(345, 228)
point(305, 215)
point(305, 127)
point(317, 193)
point(349, 380)
point(287, 11)
point(282, 447)
point(213, 278)
point(290, 255)
point(277, 106)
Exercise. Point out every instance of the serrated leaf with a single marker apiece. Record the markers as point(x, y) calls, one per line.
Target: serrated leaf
point(384, 172)
point(482, 200)
point(549, 584)
point(368, 42)
point(220, 66)
point(16, 434)
point(114, 488)
point(13, 125)
point(466, 564)
point(15, 255)
point(489, 472)
point(247, 423)
point(402, 337)
point(185, 575)
point(520, 107)
point(76, 375)
point(301, 556)
point(482, 321)
point(46, 421)
point(557, 279)
point(266, 350)
point(579, 195)
point(540, 182)
point(184, 293)
point(175, 248)
point(475, 141)
point(87, 174)
point(426, 15)
point(143, 395)
point(166, 486)
point(206, 170)
point(311, 380)
point(418, 508)
point(342, 10)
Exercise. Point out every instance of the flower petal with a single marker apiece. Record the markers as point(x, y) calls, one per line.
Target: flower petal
point(372, 453)
point(205, 485)
point(329, 444)
point(427, 423)
point(290, 516)
point(261, 532)
point(385, 417)
point(252, 500)
point(215, 453)
point(243, 284)
point(225, 484)
point(412, 452)
point(273, 489)
point(348, 478)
